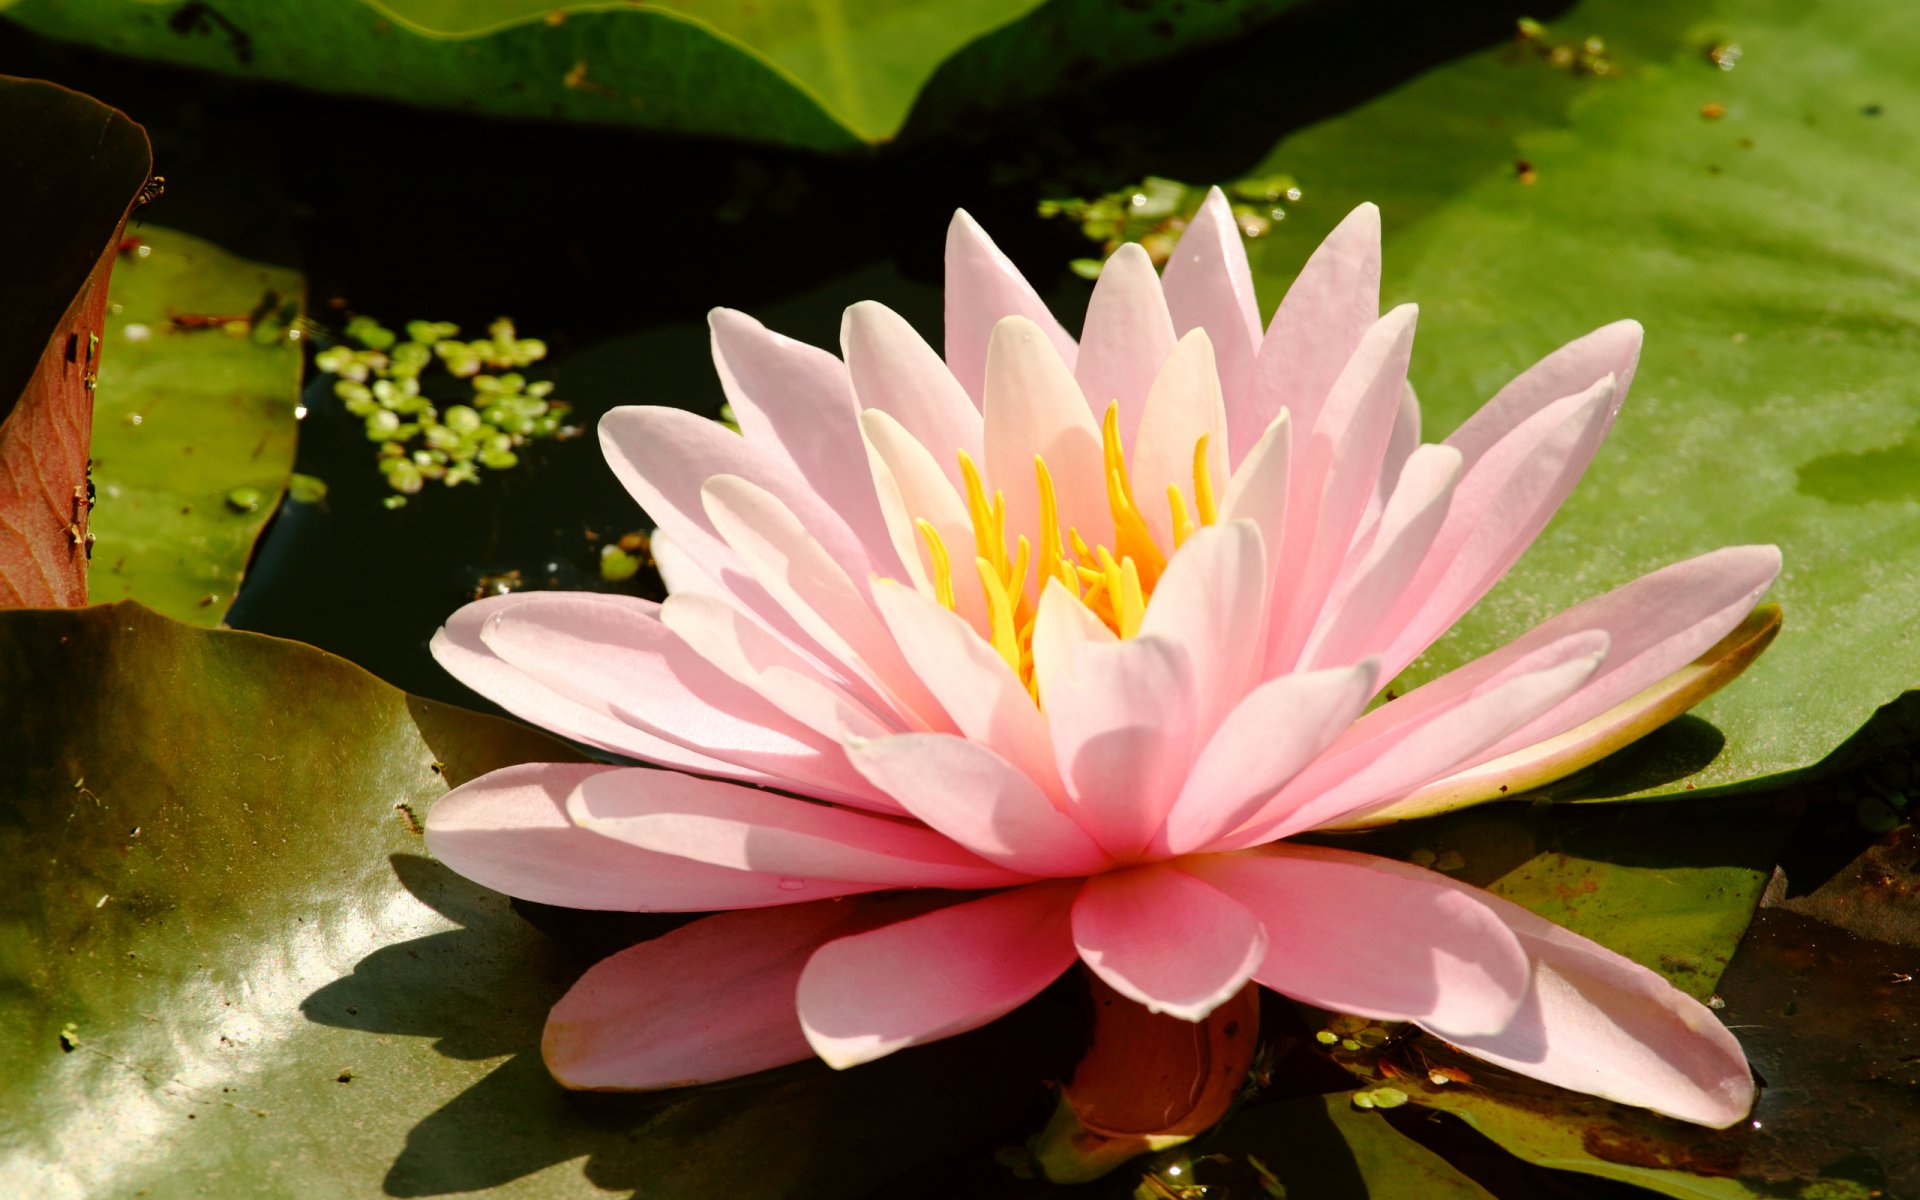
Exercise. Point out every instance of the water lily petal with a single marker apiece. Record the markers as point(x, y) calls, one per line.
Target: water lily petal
point(1166, 940)
point(1127, 336)
point(750, 830)
point(1213, 602)
point(1610, 350)
point(983, 286)
point(1380, 939)
point(1060, 628)
point(1600, 1023)
point(1209, 286)
point(925, 495)
point(793, 399)
point(1123, 735)
point(1258, 492)
point(1268, 737)
point(1183, 405)
point(980, 800)
point(894, 371)
point(509, 830)
point(1333, 302)
point(1035, 409)
point(714, 999)
point(865, 996)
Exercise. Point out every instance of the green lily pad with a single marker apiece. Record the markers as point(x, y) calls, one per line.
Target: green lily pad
point(227, 965)
point(1752, 219)
point(73, 166)
point(194, 423)
point(823, 74)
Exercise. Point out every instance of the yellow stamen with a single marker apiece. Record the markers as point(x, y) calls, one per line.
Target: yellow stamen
point(1130, 603)
point(1000, 612)
point(1017, 578)
point(1182, 523)
point(1203, 483)
point(1130, 535)
point(1053, 552)
point(942, 565)
point(989, 521)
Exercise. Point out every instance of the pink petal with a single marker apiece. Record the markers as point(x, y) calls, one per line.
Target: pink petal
point(793, 399)
point(793, 840)
point(1503, 501)
point(926, 495)
point(1331, 305)
point(895, 372)
point(1275, 731)
point(1392, 751)
point(1377, 938)
point(710, 1000)
point(1127, 336)
point(983, 287)
point(1213, 602)
point(1183, 406)
point(1610, 350)
point(1210, 286)
point(1258, 492)
point(458, 648)
point(1599, 1023)
point(627, 665)
point(1377, 584)
point(1401, 444)
point(751, 656)
point(865, 996)
point(1334, 475)
point(985, 699)
point(1060, 628)
point(1034, 409)
point(508, 830)
point(1166, 940)
point(1122, 721)
point(980, 800)
point(810, 586)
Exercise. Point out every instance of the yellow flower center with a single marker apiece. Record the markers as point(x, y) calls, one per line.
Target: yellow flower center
point(1114, 583)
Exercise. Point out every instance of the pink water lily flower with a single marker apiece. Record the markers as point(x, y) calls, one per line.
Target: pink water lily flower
point(1064, 641)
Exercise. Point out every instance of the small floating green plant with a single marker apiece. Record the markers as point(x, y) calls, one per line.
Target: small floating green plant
point(430, 437)
point(1157, 210)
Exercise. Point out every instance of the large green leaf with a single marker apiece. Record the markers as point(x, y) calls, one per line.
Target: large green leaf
point(73, 167)
point(827, 74)
point(226, 966)
point(1771, 255)
point(194, 423)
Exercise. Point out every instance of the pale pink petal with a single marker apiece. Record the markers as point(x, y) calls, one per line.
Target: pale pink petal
point(1333, 302)
point(1034, 409)
point(894, 371)
point(508, 830)
point(1610, 350)
point(1061, 626)
point(1166, 940)
point(458, 648)
point(1274, 732)
point(1127, 336)
point(1210, 286)
point(1213, 601)
point(1597, 1022)
point(865, 996)
point(1258, 492)
point(664, 455)
point(709, 1000)
point(1123, 734)
point(748, 654)
point(1387, 754)
point(794, 841)
point(598, 652)
point(980, 800)
point(1334, 475)
point(1377, 938)
point(1502, 502)
point(1377, 583)
point(1401, 444)
point(793, 399)
point(985, 699)
point(926, 495)
point(798, 572)
point(983, 287)
point(1183, 406)
point(678, 571)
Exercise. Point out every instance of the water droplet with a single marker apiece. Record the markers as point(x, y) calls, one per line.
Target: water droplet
point(790, 884)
